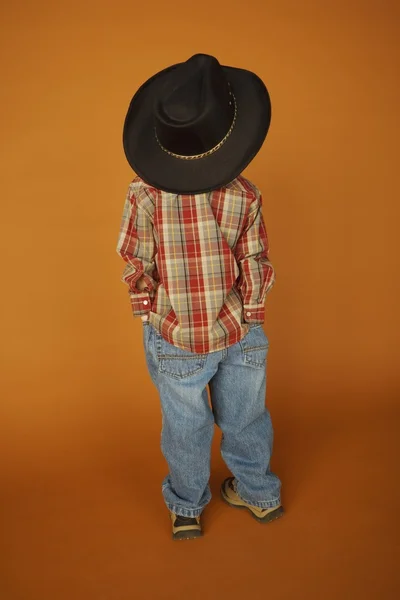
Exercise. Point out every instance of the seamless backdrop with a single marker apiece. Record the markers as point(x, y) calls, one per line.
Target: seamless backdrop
point(80, 460)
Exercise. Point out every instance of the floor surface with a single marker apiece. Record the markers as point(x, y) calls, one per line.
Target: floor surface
point(97, 529)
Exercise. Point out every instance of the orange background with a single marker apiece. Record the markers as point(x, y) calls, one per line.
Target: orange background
point(80, 460)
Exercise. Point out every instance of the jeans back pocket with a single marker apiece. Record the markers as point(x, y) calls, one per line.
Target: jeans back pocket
point(255, 347)
point(176, 362)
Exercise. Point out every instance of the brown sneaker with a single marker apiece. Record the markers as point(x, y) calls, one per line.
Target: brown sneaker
point(185, 528)
point(262, 515)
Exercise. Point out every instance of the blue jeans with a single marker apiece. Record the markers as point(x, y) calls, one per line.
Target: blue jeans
point(236, 377)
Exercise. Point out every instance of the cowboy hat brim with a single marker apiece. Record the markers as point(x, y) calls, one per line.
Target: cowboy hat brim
point(161, 170)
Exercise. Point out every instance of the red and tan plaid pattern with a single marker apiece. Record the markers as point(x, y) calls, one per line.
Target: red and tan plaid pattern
point(196, 264)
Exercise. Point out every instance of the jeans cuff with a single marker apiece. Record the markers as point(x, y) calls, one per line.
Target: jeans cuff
point(184, 512)
point(263, 503)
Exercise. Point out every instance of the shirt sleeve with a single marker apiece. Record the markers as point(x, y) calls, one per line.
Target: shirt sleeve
point(136, 245)
point(256, 273)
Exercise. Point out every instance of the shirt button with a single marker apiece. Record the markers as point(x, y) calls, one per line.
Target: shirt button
point(248, 314)
point(145, 302)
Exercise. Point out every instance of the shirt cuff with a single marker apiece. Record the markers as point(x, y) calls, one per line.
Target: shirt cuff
point(254, 313)
point(141, 303)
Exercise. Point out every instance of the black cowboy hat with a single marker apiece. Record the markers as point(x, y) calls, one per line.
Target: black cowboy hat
point(195, 126)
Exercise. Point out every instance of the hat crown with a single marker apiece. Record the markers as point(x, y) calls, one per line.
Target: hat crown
point(194, 110)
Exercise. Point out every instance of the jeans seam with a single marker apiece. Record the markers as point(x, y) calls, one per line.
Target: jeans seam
point(250, 348)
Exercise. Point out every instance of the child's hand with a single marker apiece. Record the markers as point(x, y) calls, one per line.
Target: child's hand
point(144, 317)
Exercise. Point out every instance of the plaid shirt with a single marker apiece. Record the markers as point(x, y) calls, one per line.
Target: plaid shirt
point(196, 264)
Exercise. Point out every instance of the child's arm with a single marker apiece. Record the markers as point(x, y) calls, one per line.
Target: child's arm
point(136, 246)
point(257, 275)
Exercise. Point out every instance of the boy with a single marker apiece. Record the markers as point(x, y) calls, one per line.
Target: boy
point(197, 272)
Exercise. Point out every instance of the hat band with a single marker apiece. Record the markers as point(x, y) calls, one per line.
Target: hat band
point(212, 150)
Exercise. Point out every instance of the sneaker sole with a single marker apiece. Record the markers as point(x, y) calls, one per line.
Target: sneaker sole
point(187, 535)
point(272, 516)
